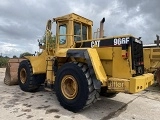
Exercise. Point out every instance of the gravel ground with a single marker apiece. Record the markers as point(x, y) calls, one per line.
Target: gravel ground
point(43, 105)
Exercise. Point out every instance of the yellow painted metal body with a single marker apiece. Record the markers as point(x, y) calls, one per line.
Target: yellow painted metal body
point(141, 82)
point(151, 59)
point(109, 66)
point(132, 85)
point(119, 72)
point(97, 65)
point(38, 62)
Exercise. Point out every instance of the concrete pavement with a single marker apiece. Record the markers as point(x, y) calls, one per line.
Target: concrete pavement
point(43, 105)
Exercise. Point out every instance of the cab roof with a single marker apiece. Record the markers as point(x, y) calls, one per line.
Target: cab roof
point(75, 17)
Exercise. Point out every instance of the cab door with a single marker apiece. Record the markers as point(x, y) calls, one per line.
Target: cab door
point(62, 35)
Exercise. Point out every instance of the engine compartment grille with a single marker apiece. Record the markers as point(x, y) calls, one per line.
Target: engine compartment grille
point(137, 57)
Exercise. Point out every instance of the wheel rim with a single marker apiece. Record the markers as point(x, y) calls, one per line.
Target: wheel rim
point(23, 75)
point(69, 87)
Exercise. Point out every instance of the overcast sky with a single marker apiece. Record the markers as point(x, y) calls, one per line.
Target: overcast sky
point(22, 22)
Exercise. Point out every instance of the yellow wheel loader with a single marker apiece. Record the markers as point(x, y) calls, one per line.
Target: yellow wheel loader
point(152, 59)
point(78, 68)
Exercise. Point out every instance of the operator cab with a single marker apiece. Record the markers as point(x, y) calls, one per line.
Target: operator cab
point(72, 28)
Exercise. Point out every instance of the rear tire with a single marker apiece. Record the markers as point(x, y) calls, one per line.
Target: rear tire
point(157, 76)
point(106, 94)
point(27, 81)
point(82, 93)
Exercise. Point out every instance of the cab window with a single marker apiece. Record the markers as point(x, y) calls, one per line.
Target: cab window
point(62, 34)
point(77, 31)
point(84, 32)
point(80, 31)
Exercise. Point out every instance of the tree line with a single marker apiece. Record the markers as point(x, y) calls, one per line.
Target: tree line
point(51, 41)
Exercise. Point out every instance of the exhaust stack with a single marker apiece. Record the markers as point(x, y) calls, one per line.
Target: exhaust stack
point(157, 40)
point(101, 33)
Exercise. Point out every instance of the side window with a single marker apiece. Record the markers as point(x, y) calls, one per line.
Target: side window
point(84, 32)
point(62, 34)
point(77, 31)
point(80, 33)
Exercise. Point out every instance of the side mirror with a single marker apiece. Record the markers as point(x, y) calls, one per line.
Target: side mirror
point(49, 25)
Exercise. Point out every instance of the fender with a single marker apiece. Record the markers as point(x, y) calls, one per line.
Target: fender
point(95, 66)
point(36, 62)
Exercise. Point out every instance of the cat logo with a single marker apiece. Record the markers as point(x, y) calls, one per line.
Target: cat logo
point(119, 41)
point(95, 43)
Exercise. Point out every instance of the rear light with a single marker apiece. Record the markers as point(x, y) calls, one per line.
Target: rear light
point(124, 51)
point(124, 54)
point(140, 63)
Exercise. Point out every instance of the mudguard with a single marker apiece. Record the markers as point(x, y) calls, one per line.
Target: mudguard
point(95, 66)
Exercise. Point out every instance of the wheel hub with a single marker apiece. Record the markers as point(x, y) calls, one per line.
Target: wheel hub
point(23, 75)
point(69, 87)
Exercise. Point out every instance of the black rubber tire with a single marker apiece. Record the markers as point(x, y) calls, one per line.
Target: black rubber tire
point(33, 82)
point(157, 76)
point(86, 95)
point(105, 94)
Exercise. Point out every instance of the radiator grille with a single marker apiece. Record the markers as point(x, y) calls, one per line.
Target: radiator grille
point(137, 58)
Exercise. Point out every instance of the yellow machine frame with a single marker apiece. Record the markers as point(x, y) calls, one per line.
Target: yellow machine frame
point(105, 66)
point(152, 59)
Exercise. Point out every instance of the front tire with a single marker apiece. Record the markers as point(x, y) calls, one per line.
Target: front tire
point(74, 87)
point(26, 80)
